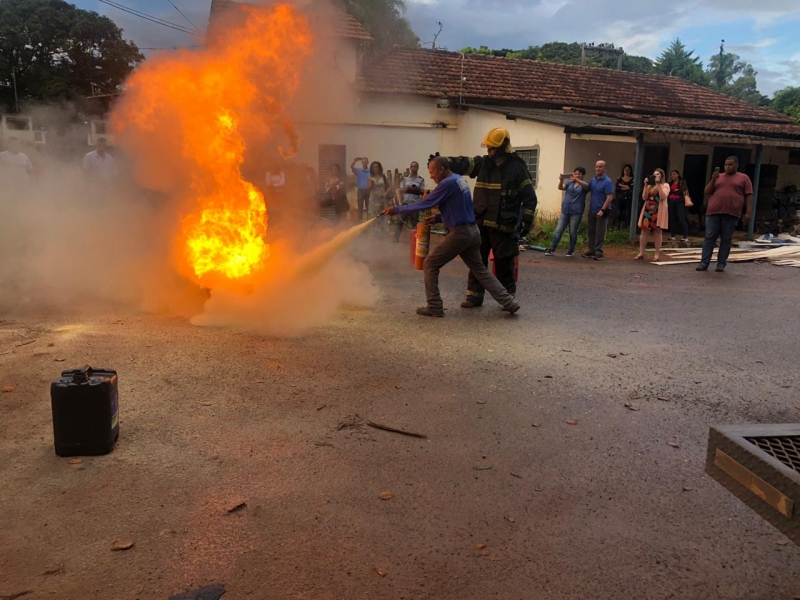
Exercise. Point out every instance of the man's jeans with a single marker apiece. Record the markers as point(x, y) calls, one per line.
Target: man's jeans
point(463, 241)
point(362, 198)
point(722, 227)
point(573, 221)
point(597, 232)
point(677, 217)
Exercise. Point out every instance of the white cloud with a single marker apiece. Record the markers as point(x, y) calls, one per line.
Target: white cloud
point(754, 47)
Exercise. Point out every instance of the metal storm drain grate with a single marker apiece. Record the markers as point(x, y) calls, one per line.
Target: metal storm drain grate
point(760, 465)
point(786, 449)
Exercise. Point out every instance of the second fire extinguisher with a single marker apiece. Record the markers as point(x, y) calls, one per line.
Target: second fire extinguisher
point(423, 244)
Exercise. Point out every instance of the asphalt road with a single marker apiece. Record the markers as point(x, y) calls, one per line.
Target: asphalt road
point(504, 499)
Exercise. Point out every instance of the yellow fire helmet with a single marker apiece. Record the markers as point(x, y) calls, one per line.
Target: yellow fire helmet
point(495, 138)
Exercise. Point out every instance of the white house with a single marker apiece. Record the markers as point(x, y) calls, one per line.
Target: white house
point(410, 103)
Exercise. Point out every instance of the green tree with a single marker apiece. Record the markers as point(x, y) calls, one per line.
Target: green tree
point(485, 50)
point(732, 76)
point(57, 51)
point(570, 54)
point(677, 61)
point(385, 20)
point(787, 101)
point(637, 64)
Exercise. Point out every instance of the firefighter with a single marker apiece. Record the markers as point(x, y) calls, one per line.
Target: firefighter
point(504, 202)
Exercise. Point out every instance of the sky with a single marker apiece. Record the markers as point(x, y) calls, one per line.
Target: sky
point(762, 32)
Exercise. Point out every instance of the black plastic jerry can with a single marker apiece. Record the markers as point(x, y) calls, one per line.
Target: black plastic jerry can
point(85, 411)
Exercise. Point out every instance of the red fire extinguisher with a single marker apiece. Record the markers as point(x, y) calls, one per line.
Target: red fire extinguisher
point(422, 244)
point(494, 265)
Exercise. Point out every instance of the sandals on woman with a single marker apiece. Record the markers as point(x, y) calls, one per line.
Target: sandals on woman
point(639, 257)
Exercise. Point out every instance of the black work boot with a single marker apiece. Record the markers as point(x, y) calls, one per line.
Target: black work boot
point(427, 311)
point(472, 303)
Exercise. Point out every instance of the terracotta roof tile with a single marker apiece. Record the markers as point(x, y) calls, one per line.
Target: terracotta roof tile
point(346, 25)
point(618, 94)
point(738, 126)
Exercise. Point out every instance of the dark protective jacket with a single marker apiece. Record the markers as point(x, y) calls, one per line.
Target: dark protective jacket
point(504, 195)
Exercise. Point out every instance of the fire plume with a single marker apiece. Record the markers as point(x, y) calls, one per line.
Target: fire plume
point(203, 105)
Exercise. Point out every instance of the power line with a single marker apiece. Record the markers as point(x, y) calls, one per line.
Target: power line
point(168, 47)
point(148, 17)
point(183, 15)
point(151, 18)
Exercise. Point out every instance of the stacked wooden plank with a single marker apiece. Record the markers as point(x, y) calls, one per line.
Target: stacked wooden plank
point(786, 255)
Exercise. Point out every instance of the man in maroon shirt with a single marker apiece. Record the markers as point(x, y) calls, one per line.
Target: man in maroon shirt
point(730, 193)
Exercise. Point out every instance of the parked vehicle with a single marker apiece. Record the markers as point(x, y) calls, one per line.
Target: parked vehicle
point(21, 127)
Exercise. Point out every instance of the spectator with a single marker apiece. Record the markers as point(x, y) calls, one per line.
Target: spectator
point(412, 187)
point(602, 190)
point(99, 165)
point(336, 193)
point(655, 215)
point(275, 179)
point(15, 166)
point(623, 199)
point(677, 206)
point(362, 183)
point(730, 193)
point(571, 210)
point(378, 189)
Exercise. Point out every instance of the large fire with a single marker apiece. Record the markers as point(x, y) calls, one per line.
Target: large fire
point(207, 101)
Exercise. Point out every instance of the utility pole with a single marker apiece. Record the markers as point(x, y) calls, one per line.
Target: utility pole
point(603, 49)
point(14, 80)
point(720, 81)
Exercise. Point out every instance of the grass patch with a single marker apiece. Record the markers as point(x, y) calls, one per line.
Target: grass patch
point(544, 228)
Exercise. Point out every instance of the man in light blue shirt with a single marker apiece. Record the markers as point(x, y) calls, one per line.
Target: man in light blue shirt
point(571, 210)
point(362, 183)
point(601, 189)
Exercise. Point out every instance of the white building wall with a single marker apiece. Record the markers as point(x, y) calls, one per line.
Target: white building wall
point(584, 151)
point(549, 139)
point(787, 174)
point(393, 130)
point(396, 130)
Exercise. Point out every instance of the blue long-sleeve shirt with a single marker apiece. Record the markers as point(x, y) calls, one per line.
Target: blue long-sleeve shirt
point(362, 177)
point(453, 198)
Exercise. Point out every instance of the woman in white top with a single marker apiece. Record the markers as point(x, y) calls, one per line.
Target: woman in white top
point(378, 189)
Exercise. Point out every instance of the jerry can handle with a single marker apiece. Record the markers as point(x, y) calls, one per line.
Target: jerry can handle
point(82, 375)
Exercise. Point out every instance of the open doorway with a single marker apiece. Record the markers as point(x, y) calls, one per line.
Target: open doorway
point(656, 157)
point(695, 173)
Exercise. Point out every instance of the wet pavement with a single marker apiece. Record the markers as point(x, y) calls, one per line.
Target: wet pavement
point(535, 480)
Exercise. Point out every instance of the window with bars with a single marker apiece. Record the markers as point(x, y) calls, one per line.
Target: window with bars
point(531, 158)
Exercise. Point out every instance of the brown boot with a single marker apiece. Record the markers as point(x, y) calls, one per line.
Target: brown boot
point(427, 311)
point(471, 304)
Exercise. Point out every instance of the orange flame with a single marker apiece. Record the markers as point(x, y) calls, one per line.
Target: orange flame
point(203, 103)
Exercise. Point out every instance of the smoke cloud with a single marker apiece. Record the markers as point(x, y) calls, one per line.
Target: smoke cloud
point(194, 135)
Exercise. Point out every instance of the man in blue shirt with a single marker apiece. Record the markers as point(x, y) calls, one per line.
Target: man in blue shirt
point(463, 238)
point(362, 183)
point(602, 190)
point(571, 210)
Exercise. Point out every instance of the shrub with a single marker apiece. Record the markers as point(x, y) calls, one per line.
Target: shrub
point(544, 227)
